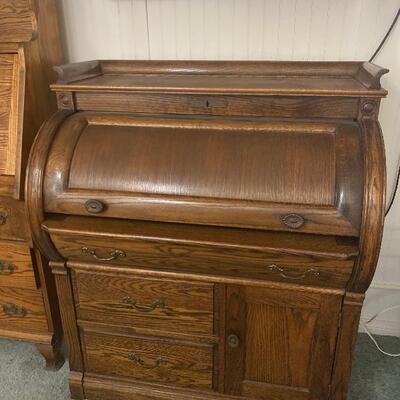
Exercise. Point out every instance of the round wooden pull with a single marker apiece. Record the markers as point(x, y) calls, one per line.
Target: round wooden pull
point(94, 206)
point(293, 221)
point(3, 218)
point(233, 341)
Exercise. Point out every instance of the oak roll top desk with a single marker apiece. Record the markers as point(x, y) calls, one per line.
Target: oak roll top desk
point(29, 46)
point(212, 226)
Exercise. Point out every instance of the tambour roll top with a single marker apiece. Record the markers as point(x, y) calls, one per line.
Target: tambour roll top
point(264, 174)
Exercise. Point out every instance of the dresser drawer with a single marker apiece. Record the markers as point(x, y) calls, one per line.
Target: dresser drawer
point(13, 220)
point(150, 360)
point(145, 303)
point(22, 310)
point(16, 268)
point(216, 258)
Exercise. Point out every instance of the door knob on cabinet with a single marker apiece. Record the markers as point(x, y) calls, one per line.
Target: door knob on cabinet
point(233, 341)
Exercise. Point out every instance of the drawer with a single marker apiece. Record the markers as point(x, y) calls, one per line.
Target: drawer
point(135, 301)
point(214, 258)
point(16, 269)
point(257, 106)
point(150, 359)
point(13, 220)
point(22, 310)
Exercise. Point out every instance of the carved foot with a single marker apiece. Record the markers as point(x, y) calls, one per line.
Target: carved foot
point(52, 354)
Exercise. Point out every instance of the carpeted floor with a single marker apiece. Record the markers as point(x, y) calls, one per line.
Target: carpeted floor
point(375, 377)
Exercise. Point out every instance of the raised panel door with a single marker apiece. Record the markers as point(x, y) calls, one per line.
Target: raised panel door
point(280, 343)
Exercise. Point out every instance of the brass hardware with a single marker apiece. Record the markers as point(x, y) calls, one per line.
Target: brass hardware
point(144, 309)
point(294, 277)
point(94, 206)
point(207, 102)
point(233, 341)
point(293, 221)
point(10, 268)
point(13, 310)
point(159, 362)
point(115, 254)
point(3, 218)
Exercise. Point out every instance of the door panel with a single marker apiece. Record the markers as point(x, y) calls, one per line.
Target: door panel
point(286, 341)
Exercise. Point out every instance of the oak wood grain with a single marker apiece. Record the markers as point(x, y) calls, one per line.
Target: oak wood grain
point(160, 305)
point(16, 269)
point(32, 303)
point(181, 365)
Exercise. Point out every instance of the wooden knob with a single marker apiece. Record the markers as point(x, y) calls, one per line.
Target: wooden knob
point(94, 206)
point(293, 221)
point(233, 341)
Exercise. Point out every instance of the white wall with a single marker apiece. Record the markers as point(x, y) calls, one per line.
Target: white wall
point(259, 29)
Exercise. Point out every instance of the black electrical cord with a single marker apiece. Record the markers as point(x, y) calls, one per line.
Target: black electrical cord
point(379, 48)
point(386, 36)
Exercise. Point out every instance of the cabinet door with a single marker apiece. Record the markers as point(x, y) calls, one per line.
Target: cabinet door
point(280, 343)
point(9, 112)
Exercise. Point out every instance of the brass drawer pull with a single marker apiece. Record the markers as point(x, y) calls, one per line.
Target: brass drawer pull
point(114, 255)
point(3, 218)
point(135, 358)
point(132, 303)
point(13, 310)
point(294, 277)
point(293, 221)
point(7, 268)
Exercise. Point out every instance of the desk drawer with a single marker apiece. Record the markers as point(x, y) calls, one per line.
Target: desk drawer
point(16, 268)
point(135, 301)
point(22, 310)
point(216, 259)
point(13, 220)
point(150, 360)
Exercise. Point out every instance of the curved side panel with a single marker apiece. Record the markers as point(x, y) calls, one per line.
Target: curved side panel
point(34, 183)
point(373, 207)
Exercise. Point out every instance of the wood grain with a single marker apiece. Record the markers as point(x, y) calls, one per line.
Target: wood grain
point(31, 301)
point(22, 275)
point(15, 225)
point(17, 21)
point(187, 307)
point(289, 107)
point(9, 112)
point(185, 365)
point(226, 259)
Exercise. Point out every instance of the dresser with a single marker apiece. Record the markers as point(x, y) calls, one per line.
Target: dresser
point(29, 46)
point(212, 226)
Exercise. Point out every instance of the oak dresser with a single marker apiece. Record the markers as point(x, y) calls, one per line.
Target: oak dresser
point(29, 46)
point(212, 226)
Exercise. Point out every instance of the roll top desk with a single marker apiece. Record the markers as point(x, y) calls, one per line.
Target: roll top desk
point(212, 226)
